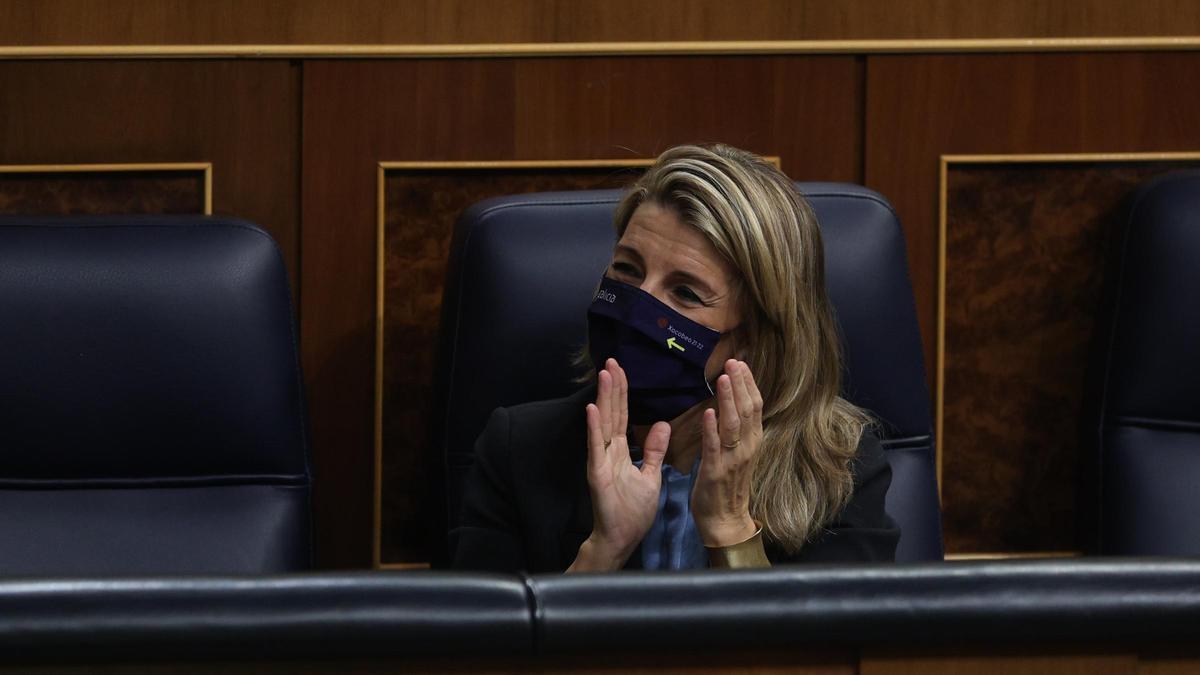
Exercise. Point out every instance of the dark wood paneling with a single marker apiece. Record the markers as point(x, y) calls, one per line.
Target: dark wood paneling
point(241, 116)
point(359, 113)
point(1010, 659)
point(920, 107)
point(138, 22)
point(109, 192)
point(1027, 253)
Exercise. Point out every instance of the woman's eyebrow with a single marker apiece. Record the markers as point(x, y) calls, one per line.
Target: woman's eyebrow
point(689, 279)
point(631, 252)
point(678, 276)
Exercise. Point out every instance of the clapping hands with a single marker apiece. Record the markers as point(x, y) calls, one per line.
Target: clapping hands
point(625, 497)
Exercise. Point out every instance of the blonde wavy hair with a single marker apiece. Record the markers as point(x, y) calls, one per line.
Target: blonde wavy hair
point(756, 220)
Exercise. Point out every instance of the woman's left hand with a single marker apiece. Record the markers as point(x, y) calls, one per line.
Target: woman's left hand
point(721, 495)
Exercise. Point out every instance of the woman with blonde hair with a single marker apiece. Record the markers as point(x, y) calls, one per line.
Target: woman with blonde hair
point(713, 433)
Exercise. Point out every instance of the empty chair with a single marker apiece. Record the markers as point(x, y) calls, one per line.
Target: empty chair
point(522, 273)
point(151, 415)
point(1148, 437)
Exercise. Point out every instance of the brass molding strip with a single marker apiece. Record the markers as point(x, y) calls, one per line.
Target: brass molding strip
point(940, 359)
point(1067, 158)
point(546, 49)
point(208, 189)
point(206, 167)
point(377, 515)
point(1017, 158)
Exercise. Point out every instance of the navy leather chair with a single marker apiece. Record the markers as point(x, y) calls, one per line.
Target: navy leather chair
point(1148, 448)
point(151, 415)
point(521, 275)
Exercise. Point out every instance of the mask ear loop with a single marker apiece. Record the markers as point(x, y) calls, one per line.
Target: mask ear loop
point(731, 333)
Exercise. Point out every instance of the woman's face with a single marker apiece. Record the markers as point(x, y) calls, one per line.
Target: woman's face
point(678, 265)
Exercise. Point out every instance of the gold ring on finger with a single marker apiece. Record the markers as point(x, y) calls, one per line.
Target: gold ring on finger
point(730, 446)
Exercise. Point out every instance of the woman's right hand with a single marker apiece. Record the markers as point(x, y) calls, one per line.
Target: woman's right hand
point(624, 497)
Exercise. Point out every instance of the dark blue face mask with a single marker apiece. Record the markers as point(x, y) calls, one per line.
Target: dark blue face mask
point(662, 352)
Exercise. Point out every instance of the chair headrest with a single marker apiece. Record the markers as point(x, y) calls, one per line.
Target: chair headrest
point(146, 347)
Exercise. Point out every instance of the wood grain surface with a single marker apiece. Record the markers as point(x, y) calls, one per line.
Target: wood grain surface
point(142, 22)
point(922, 107)
point(102, 192)
point(1028, 250)
point(1007, 660)
point(241, 116)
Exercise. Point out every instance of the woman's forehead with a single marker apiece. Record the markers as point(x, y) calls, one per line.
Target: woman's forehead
point(660, 237)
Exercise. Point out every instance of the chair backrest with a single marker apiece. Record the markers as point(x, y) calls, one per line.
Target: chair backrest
point(151, 413)
point(522, 272)
point(1149, 423)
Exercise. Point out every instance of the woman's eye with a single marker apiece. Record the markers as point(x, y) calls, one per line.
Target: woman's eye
point(625, 269)
point(687, 295)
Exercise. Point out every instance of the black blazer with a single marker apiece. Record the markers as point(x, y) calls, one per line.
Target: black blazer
point(526, 506)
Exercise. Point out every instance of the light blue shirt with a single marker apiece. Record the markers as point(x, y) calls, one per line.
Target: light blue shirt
point(673, 543)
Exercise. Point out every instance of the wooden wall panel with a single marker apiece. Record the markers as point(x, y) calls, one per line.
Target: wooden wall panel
point(40, 192)
point(141, 22)
point(360, 113)
point(1022, 658)
point(241, 116)
point(1029, 249)
point(921, 107)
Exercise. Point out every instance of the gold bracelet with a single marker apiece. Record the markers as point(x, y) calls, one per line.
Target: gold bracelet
point(748, 553)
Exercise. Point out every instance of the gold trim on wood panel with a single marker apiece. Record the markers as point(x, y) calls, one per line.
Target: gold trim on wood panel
point(206, 167)
point(377, 525)
point(940, 364)
point(208, 189)
point(549, 49)
point(1067, 158)
point(943, 174)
